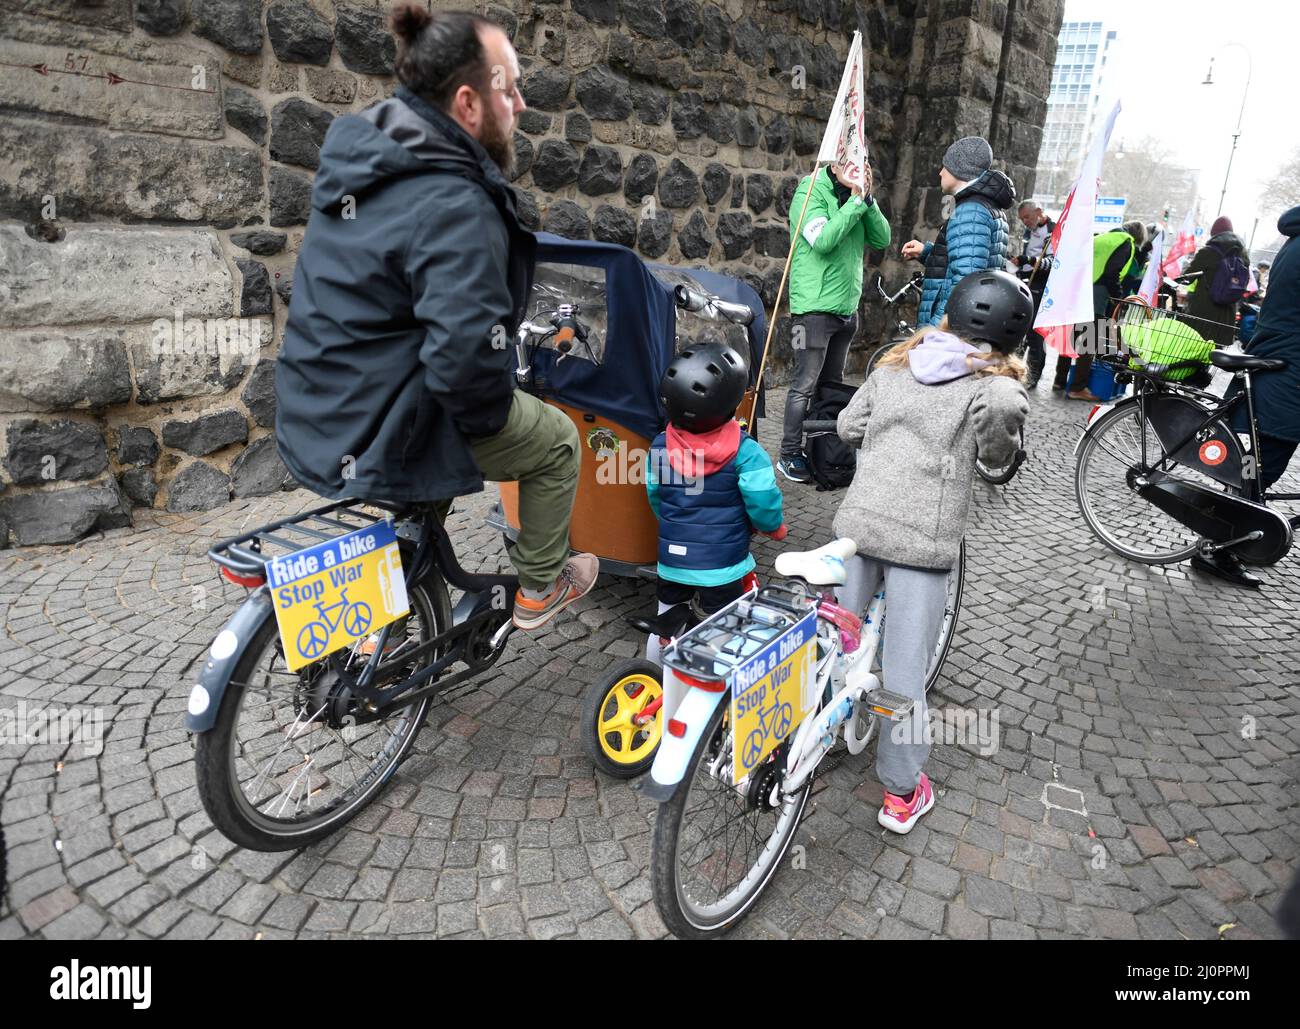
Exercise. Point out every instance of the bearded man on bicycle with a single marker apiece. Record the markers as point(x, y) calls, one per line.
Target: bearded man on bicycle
point(394, 380)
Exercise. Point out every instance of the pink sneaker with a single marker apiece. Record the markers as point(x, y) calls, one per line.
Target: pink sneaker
point(897, 815)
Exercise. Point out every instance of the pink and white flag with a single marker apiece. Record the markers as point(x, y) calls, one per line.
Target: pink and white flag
point(1151, 277)
point(1184, 243)
point(1067, 297)
point(845, 141)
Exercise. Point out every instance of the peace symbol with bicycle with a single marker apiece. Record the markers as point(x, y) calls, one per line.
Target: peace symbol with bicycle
point(314, 637)
point(774, 724)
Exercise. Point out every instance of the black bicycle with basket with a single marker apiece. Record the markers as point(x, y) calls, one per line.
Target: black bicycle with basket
point(1161, 475)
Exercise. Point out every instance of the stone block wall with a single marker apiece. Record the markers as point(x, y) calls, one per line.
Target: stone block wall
point(159, 156)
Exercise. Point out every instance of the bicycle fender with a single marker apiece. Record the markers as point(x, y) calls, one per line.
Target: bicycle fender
point(673, 757)
point(1092, 419)
point(222, 657)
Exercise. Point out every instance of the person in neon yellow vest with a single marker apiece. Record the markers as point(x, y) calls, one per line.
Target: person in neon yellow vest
point(1113, 254)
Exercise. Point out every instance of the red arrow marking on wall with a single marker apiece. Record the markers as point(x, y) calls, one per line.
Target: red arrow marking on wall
point(112, 78)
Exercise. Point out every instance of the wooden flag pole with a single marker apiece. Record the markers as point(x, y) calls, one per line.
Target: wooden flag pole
point(780, 291)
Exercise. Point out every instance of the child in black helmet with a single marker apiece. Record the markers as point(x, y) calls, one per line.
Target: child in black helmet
point(710, 484)
point(949, 394)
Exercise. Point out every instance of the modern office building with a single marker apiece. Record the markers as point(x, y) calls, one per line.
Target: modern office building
point(1085, 50)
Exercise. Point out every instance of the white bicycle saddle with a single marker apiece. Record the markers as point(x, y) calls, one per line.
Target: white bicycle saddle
point(821, 567)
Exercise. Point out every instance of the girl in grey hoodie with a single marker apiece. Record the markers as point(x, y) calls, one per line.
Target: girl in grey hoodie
point(932, 406)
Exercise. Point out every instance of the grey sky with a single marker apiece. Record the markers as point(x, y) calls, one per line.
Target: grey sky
point(1164, 49)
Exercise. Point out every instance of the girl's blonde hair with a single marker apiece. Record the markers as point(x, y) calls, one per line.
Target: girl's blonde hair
point(999, 363)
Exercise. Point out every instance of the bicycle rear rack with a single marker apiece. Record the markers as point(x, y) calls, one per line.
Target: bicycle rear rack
point(247, 555)
point(481, 619)
point(724, 641)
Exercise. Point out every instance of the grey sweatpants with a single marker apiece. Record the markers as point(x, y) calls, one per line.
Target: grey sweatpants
point(914, 606)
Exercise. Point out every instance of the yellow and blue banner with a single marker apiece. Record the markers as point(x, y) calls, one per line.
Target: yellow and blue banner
point(336, 593)
point(771, 693)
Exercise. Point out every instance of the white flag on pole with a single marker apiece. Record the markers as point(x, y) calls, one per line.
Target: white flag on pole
point(1067, 297)
point(1151, 278)
point(845, 141)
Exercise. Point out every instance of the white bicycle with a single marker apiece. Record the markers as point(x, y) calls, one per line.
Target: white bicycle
point(733, 778)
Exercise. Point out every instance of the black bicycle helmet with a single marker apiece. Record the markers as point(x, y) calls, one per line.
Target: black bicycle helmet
point(703, 386)
point(992, 307)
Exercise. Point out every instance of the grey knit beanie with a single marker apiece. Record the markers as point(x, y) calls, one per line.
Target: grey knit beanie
point(969, 158)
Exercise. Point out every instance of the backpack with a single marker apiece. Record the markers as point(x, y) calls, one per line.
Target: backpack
point(831, 460)
point(1231, 280)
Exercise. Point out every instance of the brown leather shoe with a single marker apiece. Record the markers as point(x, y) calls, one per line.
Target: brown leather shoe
point(574, 582)
point(1085, 394)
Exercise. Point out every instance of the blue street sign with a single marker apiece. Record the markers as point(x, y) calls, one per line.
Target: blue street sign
point(1109, 213)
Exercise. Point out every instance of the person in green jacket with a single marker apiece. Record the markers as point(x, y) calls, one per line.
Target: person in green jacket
point(840, 222)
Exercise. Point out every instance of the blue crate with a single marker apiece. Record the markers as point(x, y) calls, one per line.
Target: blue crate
point(1101, 382)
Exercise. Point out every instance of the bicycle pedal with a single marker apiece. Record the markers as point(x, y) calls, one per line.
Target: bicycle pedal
point(893, 707)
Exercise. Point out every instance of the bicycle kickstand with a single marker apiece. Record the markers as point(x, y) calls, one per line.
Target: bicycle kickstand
point(1207, 548)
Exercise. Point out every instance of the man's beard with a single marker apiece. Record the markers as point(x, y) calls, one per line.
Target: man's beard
point(499, 143)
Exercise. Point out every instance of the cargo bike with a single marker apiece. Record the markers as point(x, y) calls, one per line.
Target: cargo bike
point(602, 328)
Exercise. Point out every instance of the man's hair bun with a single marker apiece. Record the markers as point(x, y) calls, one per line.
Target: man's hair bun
point(408, 20)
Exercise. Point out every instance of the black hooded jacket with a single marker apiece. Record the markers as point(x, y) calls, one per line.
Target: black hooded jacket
point(413, 276)
point(1216, 322)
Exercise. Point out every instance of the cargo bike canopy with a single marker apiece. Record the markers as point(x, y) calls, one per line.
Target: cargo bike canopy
point(638, 316)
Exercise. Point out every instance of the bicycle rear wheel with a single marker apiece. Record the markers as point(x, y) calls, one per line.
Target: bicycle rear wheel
point(715, 845)
point(876, 357)
point(1113, 451)
point(278, 771)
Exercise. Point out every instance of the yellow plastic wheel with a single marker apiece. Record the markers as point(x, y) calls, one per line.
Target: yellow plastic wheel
point(616, 743)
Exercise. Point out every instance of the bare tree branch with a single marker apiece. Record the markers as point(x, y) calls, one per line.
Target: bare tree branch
point(1282, 191)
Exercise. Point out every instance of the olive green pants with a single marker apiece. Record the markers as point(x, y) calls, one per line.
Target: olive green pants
point(537, 448)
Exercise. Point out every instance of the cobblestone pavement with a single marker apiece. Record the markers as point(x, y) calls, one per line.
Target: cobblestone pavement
point(1145, 784)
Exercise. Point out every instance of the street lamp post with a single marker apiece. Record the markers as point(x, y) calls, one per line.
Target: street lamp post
point(1209, 81)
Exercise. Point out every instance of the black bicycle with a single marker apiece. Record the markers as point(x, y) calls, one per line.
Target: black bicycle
point(902, 328)
point(1161, 476)
point(285, 757)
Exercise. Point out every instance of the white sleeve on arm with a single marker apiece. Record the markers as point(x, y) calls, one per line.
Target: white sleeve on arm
point(813, 228)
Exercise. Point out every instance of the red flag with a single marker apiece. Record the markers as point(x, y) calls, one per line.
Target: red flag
point(1184, 244)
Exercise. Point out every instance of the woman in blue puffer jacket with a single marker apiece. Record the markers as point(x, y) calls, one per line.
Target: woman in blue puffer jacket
point(975, 237)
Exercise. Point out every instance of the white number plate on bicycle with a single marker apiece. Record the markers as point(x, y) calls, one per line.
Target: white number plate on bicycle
point(771, 693)
point(338, 592)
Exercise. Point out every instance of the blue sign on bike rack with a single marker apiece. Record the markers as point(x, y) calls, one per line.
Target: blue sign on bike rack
point(333, 594)
point(770, 695)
